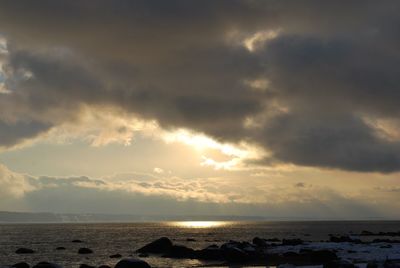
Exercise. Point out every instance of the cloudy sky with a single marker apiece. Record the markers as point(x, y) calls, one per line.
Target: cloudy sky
point(267, 108)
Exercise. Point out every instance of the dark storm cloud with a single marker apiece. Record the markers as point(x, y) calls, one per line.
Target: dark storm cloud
point(182, 63)
point(13, 133)
point(338, 142)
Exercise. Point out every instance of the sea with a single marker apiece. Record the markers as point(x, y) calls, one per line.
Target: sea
point(106, 239)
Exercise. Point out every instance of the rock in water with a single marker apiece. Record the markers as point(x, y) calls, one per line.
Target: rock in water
point(46, 265)
point(21, 265)
point(132, 263)
point(212, 252)
point(24, 251)
point(259, 242)
point(85, 251)
point(86, 266)
point(235, 254)
point(180, 252)
point(292, 242)
point(161, 245)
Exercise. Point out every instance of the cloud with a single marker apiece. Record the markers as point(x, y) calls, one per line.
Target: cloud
point(147, 194)
point(325, 69)
point(13, 185)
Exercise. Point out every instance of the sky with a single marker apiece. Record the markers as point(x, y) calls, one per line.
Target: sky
point(250, 108)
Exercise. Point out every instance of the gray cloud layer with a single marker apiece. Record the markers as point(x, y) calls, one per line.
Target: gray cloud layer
point(331, 66)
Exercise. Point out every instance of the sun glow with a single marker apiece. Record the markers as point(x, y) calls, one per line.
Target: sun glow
point(201, 142)
point(199, 224)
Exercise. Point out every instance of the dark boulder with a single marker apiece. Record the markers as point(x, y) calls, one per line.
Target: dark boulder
point(322, 256)
point(234, 254)
point(180, 252)
point(46, 265)
point(85, 251)
point(24, 251)
point(230, 244)
point(86, 266)
point(391, 264)
point(115, 256)
point(308, 257)
point(292, 242)
point(273, 240)
point(341, 239)
point(21, 265)
point(132, 263)
point(259, 242)
point(373, 264)
point(212, 252)
point(161, 245)
point(366, 233)
point(384, 240)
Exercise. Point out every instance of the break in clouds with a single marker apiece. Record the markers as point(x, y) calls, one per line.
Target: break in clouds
point(313, 83)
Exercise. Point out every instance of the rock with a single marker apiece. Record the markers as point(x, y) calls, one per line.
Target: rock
point(391, 264)
point(322, 255)
point(212, 252)
point(190, 239)
point(292, 242)
point(234, 254)
point(115, 256)
point(77, 241)
point(24, 251)
point(213, 246)
point(21, 265)
point(259, 242)
point(389, 233)
point(161, 245)
point(372, 264)
point(60, 248)
point(366, 233)
point(143, 255)
point(306, 257)
point(86, 266)
point(341, 239)
point(85, 251)
point(181, 252)
point(249, 249)
point(46, 265)
point(379, 240)
point(339, 264)
point(230, 244)
point(132, 263)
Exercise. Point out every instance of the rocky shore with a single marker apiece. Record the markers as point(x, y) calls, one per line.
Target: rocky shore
point(339, 251)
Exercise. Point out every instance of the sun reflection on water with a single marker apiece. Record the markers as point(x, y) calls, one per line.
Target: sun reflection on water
point(199, 224)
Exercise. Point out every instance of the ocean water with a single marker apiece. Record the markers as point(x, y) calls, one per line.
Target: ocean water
point(106, 239)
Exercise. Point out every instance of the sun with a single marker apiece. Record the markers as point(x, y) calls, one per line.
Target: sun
point(199, 224)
